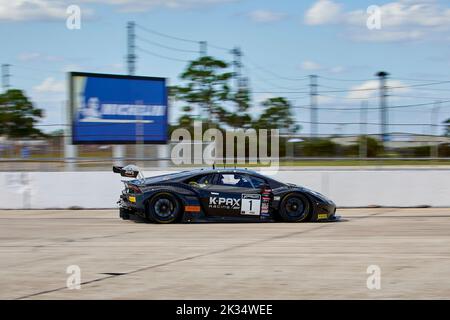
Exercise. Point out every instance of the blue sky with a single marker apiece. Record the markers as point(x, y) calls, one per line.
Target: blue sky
point(281, 41)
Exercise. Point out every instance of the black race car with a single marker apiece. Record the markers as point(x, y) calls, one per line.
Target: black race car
point(219, 195)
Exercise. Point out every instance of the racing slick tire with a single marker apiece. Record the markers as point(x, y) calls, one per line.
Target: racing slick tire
point(124, 214)
point(164, 207)
point(295, 208)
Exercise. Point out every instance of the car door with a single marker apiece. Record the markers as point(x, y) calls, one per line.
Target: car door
point(232, 195)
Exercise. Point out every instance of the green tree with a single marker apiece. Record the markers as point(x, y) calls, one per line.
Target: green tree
point(447, 128)
point(18, 116)
point(240, 118)
point(207, 85)
point(319, 148)
point(374, 147)
point(277, 115)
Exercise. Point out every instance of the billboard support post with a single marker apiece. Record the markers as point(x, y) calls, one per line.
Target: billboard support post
point(118, 154)
point(70, 150)
point(163, 155)
point(70, 155)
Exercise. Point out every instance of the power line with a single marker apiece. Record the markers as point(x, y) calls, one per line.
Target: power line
point(433, 89)
point(373, 123)
point(220, 48)
point(265, 80)
point(417, 97)
point(378, 108)
point(164, 46)
point(165, 35)
point(410, 79)
point(37, 69)
point(371, 89)
point(275, 74)
point(415, 105)
point(160, 56)
point(387, 86)
point(341, 79)
point(345, 98)
point(300, 121)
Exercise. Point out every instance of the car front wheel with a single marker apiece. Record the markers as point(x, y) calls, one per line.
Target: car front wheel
point(295, 208)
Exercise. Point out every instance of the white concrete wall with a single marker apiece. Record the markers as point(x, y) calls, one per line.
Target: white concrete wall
point(348, 188)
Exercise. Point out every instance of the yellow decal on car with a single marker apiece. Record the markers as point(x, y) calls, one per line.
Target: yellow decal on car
point(322, 216)
point(132, 199)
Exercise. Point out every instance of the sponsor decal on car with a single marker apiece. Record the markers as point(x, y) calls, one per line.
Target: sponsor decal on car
point(224, 203)
point(192, 208)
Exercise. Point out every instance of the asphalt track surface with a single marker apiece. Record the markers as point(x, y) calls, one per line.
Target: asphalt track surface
point(134, 260)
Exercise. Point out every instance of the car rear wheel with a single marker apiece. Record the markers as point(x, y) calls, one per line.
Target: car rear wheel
point(295, 208)
point(164, 208)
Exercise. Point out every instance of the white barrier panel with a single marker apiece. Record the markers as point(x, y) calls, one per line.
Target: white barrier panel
point(347, 188)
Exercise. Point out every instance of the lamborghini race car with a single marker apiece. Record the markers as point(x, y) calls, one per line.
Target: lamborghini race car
point(219, 195)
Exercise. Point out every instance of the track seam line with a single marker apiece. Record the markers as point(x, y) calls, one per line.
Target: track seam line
point(244, 245)
point(177, 261)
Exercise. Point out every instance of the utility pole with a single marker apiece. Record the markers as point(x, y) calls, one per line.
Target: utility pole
point(363, 130)
point(434, 148)
point(131, 62)
point(383, 106)
point(5, 77)
point(131, 56)
point(237, 63)
point(119, 150)
point(203, 48)
point(313, 105)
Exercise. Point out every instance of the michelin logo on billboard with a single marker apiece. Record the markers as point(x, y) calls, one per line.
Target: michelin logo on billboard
point(93, 111)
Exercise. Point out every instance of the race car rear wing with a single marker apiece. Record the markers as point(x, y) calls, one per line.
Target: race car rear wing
point(129, 171)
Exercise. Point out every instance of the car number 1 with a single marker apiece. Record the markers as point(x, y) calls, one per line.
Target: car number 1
point(251, 204)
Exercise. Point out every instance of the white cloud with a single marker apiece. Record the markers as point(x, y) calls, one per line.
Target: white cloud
point(29, 56)
point(403, 20)
point(337, 69)
point(50, 85)
point(310, 65)
point(265, 16)
point(323, 12)
point(369, 89)
point(32, 10)
point(26, 10)
point(145, 5)
point(71, 67)
point(406, 13)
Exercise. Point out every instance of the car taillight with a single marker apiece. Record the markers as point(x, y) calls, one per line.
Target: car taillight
point(133, 189)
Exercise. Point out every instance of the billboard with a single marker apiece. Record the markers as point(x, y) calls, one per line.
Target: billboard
point(117, 109)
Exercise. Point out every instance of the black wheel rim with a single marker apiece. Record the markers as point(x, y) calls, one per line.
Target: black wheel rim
point(164, 207)
point(295, 207)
